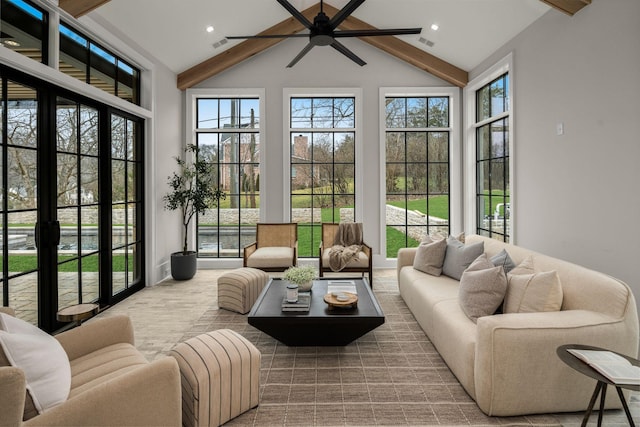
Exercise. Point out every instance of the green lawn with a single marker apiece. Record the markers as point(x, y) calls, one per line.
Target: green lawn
point(438, 206)
point(21, 263)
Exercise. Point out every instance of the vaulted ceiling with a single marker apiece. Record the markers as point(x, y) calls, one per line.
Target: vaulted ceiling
point(173, 31)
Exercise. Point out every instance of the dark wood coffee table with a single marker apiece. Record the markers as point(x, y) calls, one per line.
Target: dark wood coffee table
point(321, 325)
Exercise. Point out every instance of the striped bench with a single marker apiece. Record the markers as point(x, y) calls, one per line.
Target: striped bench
point(220, 375)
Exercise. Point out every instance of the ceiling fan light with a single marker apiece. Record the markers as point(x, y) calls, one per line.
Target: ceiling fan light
point(210, 29)
point(435, 27)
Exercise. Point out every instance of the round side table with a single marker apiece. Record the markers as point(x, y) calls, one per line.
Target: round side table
point(601, 386)
point(77, 313)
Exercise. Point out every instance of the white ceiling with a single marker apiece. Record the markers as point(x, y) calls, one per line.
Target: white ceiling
point(174, 30)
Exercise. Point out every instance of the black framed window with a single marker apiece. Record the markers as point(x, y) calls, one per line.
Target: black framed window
point(417, 139)
point(322, 135)
point(85, 60)
point(24, 28)
point(493, 207)
point(228, 136)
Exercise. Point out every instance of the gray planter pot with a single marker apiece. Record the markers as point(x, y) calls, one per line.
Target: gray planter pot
point(184, 265)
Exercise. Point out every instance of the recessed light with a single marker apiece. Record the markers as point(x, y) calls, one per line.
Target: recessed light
point(11, 43)
point(435, 27)
point(210, 29)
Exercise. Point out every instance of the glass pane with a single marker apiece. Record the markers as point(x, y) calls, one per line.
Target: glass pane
point(229, 113)
point(344, 176)
point(131, 223)
point(118, 180)
point(416, 112)
point(22, 119)
point(102, 73)
point(131, 182)
point(118, 222)
point(128, 82)
point(438, 146)
point(68, 284)
point(483, 137)
point(483, 178)
point(90, 278)
point(416, 178)
point(344, 147)
point(22, 178)
point(344, 113)
point(118, 139)
point(21, 242)
point(23, 297)
point(395, 147)
point(301, 113)
point(207, 113)
point(322, 114)
point(498, 97)
point(395, 113)
point(438, 178)
point(67, 176)
point(118, 265)
point(395, 178)
point(250, 109)
point(306, 248)
point(483, 104)
point(131, 137)
point(88, 131)
point(498, 138)
point(89, 221)
point(69, 244)
point(300, 148)
point(438, 112)
point(89, 188)
point(416, 146)
point(132, 273)
point(497, 176)
point(66, 125)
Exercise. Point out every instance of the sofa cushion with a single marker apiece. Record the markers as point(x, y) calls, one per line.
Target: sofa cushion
point(530, 293)
point(271, 256)
point(41, 357)
point(482, 288)
point(503, 259)
point(459, 256)
point(430, 256)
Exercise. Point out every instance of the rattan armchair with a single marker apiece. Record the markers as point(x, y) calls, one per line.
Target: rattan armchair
point(275, 248)
point(363, 264)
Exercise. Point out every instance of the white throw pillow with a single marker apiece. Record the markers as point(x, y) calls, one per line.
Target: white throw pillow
point(41, 357)
point(531, 293)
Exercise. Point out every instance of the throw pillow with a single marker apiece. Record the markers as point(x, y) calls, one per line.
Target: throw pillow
point(482, 288)
point(459, 256)
point(503, 259)
point(41, 357)
point(531, 293)
point(430, 256)
point(525, 267)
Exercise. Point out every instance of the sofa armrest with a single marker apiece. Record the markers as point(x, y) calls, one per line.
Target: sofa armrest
point(405, 258)
point(147, 396)
point(13, 389)
point(96, 334)
point(515, 358)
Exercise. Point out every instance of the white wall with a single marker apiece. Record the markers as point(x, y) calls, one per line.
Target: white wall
point(322, 68)
point(577, 194)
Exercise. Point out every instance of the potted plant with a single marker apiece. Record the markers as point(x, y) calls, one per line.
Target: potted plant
point(302, 276)
point(192, 192)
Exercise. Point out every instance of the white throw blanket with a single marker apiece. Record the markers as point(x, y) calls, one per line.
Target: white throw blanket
point(346, 246)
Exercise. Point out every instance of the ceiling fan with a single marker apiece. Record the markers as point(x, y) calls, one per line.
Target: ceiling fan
point(323, 32)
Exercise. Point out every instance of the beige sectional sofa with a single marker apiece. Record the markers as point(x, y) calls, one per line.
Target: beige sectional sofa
point(508, 362)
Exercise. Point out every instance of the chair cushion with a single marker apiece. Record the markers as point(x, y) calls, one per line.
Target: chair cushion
point(361, 262)
point(41, 357)
point(271, 256)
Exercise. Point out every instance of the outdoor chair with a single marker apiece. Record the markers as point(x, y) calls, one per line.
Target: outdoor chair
point(363, 263)
point(275, 248)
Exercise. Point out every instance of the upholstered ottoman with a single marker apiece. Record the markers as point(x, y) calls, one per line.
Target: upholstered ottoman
point(239, 289)
point(220, 374)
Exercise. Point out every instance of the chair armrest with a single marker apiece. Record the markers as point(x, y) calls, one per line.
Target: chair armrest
point(147, 396)
point(96, 334)
point(295, 253)
point(515, 358)
point(248, 250)
point(13, 389)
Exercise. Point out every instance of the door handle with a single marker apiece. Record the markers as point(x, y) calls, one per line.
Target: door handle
point(50, 233)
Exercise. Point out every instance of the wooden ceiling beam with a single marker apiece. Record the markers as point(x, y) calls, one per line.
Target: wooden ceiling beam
point(570, 7)
point(389, 44)
point(77, 8)
point(242, 51)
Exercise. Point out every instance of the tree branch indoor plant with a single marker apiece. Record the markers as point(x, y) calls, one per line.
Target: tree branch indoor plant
point(192, 192)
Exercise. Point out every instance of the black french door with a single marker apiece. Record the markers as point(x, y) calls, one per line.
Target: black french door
point(71, 214)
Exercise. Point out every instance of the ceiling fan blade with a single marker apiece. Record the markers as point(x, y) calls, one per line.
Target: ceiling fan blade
point(302, 53)
point(377, 32)
point(296, 13)
point(344, 13)
point(267, 36)
point(346, 52)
